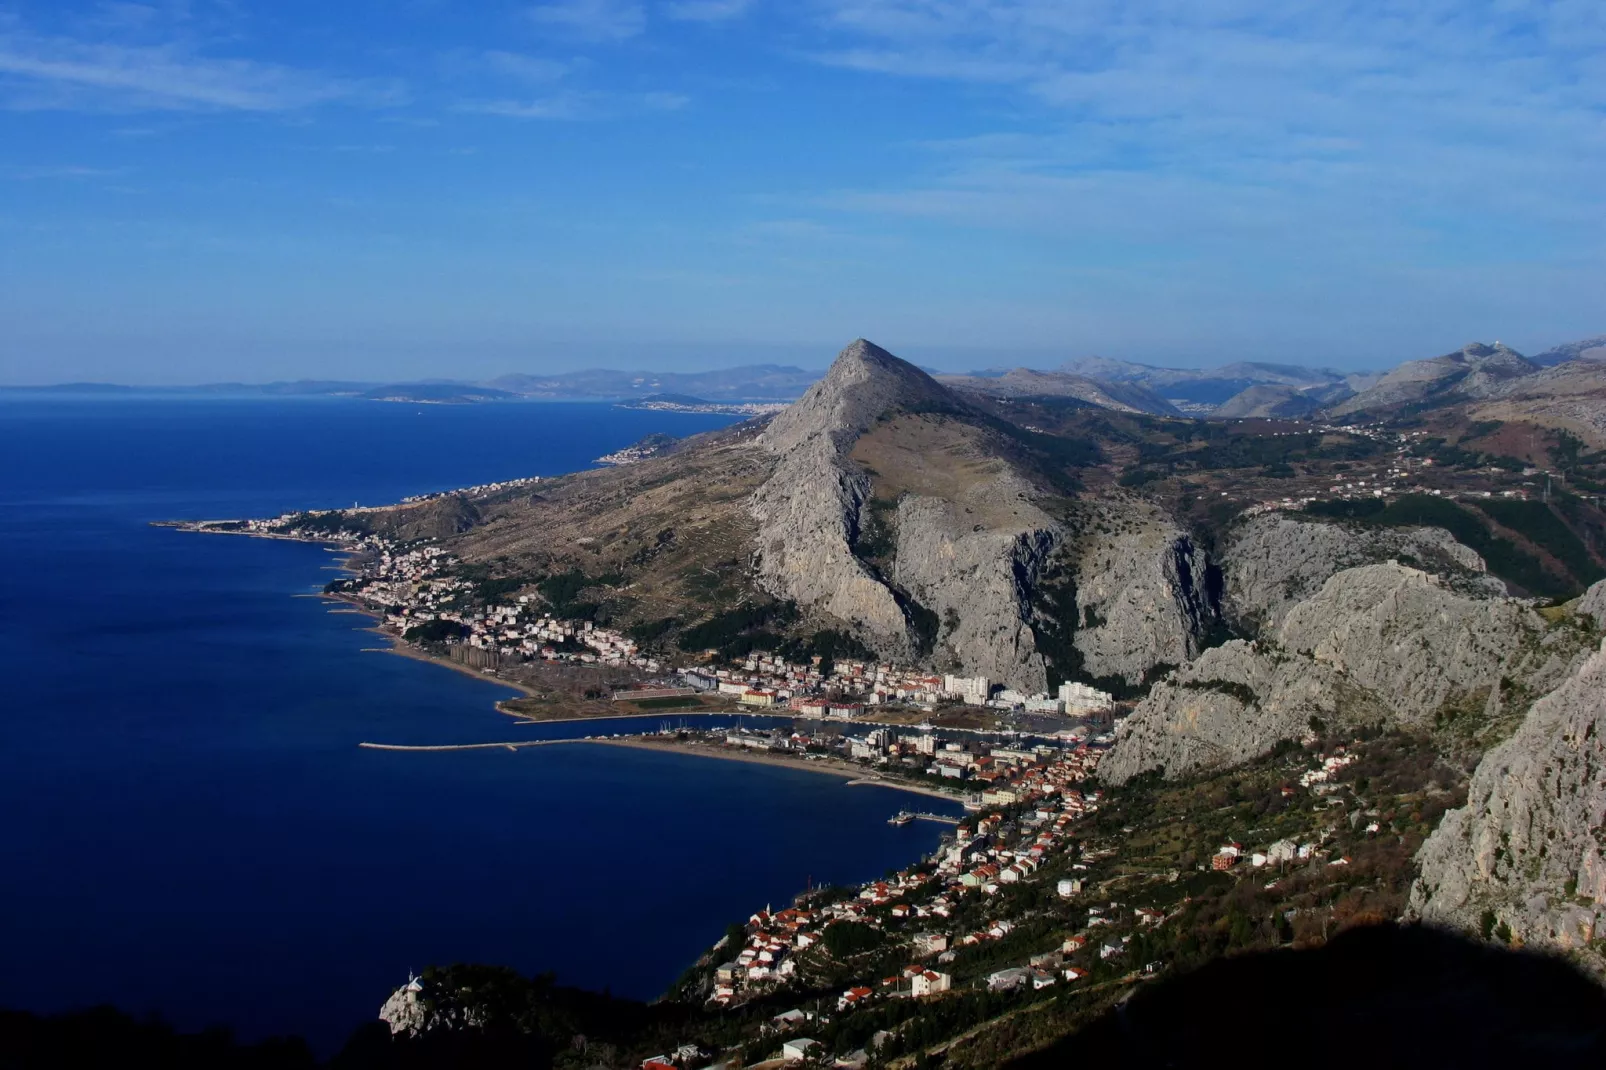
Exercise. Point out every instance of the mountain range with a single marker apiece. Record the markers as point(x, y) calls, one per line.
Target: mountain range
point(1241, 390)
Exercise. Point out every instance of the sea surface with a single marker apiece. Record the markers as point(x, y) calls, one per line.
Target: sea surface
point(189, 825)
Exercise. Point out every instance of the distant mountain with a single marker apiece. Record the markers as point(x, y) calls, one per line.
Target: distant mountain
point(754, 382)
point(436, 393)
point(1199, 390)
point(1473, 371)
point(1025, 382)
point(1585, 349)
point(1268, 401)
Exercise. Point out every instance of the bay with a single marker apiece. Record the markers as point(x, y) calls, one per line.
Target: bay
point(190, 826)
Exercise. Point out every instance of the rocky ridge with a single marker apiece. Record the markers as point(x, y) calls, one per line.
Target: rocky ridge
point(1377, 643)
point(1527, 854)
point(970, 527)
point(1143, 589)
point(1474, 371)
point(1276, 560)
point(808, 511)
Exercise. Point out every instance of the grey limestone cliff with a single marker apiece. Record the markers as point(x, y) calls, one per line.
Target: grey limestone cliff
point(1528, 851)
point(1376, 643)
point(1276, 560)
point(899, 511)
point(972, 579)
point(1237, 701)
point(808, 510)
point(1142, 589)
point(1405, 635)
point(1593, 604)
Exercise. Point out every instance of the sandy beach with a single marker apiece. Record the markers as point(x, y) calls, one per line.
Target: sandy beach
point(854, 774)
point(405, 650)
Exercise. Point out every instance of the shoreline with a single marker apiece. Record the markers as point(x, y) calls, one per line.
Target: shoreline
point(853, 774)
point(401, 649)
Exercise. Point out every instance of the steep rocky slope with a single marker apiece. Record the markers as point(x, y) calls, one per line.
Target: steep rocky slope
point(1527, 852)
point(1265, 400)
point(1274, 561)
point(1025, 382)
point(896, 511)
point(1474, 371)
point(924, 526)
point(1377, 643)
point(1570, 396)
point(1145, 594)
point(1233, 704)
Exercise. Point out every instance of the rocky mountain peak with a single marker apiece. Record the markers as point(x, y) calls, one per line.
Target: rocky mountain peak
point(1497, 357)
point(864, 383)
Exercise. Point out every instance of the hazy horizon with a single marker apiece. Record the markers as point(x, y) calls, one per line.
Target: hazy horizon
point(206, 191)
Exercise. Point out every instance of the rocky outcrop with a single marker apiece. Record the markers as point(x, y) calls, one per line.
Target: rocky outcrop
point(1377, 643)
point(1593, 604)
point(1143, 589)
point(1526, 852)
point(1025, 382)
point(1474, 371)
point(1233, 704)
point(977, 583)
point(963, 551)
point(1407, 637)
point(1276, 560)
point(808, 510)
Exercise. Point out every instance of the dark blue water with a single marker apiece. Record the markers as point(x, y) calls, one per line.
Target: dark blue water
point(190, 827)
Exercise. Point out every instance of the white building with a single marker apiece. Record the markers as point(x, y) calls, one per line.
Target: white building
point(1080, 698)
point(972, 689)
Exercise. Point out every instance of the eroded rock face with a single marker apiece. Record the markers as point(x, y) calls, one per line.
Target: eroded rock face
point(974, 578)
point(1236, 702)
point(1376, 643)
point(808, 511)
point(1142, 588)
point(1528, 846)
point(1593, 604)
point(977, 583)
point(1275, 561)
point(1404, 635)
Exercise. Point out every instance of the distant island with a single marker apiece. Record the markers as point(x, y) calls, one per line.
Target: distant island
point(687, 403)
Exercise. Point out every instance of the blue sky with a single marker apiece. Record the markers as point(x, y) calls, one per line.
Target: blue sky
point(199, 190)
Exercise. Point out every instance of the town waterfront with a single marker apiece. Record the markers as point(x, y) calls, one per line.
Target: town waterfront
point(195, 830)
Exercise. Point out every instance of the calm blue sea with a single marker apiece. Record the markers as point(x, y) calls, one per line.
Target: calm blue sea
point(190, 827)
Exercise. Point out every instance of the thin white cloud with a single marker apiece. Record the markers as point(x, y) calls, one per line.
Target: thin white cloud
point(60, 171)
point(707, 10)
point(579, 105)
point(1337, 116)
point(592, 20)
point(56, 73)
point(525, 68)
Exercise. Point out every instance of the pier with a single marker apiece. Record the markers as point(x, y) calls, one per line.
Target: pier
point(471, 746)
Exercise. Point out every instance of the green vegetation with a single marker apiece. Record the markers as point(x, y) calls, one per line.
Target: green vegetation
point(737, 632)
point(434, 631)
point(562, 593)
point(828, 645)
point(1504, 557)
point(331, 523)
point(1242, 692)
point(673, 702)
point(1538, 523)
point(844, 939)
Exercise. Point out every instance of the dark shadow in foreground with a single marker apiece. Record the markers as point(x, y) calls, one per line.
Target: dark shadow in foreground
point(1380, 996)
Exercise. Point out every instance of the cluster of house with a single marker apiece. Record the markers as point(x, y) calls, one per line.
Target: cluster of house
point(478, 491)
point(986, 853)
point(765, 681)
